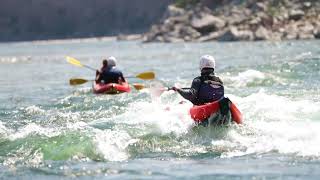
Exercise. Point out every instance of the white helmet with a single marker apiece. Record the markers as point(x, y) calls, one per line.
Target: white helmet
point(207, 61)
point(112, 61)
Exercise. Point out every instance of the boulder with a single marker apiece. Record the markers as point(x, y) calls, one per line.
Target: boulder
point(305, 30)
point(307, 5)
point(261, 6)
point(200, 9)
point(228, 35)
point(173, 11)
point(303, 35)
point(296, 14)
point(239, 16)
point(179, 19)
point(255, 21)
point(168, 22)
point(276, 36)
point(262, 33)
point(316, 32)
point(207, 23)
point(306, 27)
point(152, 35)
point(244, 35)
point(189, 31)
point(169, 39)
point(210, 37)
point(165, 28)
point(290, 35)
point(149, 37)
point(174, 33)
point(233, 34)
point(155, 29)
point(159, 39)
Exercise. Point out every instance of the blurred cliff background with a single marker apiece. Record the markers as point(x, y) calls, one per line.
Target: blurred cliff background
point(56, 19)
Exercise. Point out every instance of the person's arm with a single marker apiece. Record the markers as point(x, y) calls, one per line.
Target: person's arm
point(122, 78)
point(219, 80)
point(98, 76)
point(192, 93)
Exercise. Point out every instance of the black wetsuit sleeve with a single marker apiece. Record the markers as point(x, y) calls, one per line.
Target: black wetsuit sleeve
point(192, 93)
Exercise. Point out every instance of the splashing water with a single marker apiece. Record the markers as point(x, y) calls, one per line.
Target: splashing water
point(49, 129)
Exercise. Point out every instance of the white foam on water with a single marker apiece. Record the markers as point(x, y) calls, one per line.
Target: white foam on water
point(64, 117)
point(272, 123)
point(112, 144)
point(84, 90)
point(23, 156)
point(35, 129)
point(277, 108)
point(14, 60)
point(30, 156)
point(3, 131)
point(275, 123)
point(32, 129)
point(172, 117)
point(154, 117)
point(34, 110)
point(80, 125)
point(248, 76)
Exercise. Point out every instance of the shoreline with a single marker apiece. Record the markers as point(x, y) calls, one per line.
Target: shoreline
point(68, 40)
point(140, 40)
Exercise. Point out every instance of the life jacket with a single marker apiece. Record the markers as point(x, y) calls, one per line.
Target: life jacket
point(211, 89)
point(111, 75)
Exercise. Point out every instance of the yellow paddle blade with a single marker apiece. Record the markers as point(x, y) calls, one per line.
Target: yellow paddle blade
point(146, 75)
point(138, 86)
point(73, 61)
point(77, 81)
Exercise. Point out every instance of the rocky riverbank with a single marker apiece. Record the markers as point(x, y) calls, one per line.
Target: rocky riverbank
point(236, 20)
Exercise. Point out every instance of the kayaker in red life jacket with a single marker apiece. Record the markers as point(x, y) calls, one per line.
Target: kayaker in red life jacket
point(205, 88)
point(109, 73)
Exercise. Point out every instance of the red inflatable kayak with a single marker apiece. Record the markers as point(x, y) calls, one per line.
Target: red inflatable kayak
point(203, 112)
point(111, 88)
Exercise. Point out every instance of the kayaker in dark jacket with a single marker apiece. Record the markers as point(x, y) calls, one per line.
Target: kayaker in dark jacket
point(109, 73)
point(205, 88)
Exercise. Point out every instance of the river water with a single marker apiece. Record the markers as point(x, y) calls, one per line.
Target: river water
point(51, 130)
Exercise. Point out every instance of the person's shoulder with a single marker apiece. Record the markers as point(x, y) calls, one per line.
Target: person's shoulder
point(116, 70)
point(197, 80)
point(113, 69)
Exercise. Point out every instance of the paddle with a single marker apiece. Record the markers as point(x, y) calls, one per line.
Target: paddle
point(144, 76)
point(158, 91)
point(78, 81)
point(76, 62)
point(141, 86)
point(138, 86)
